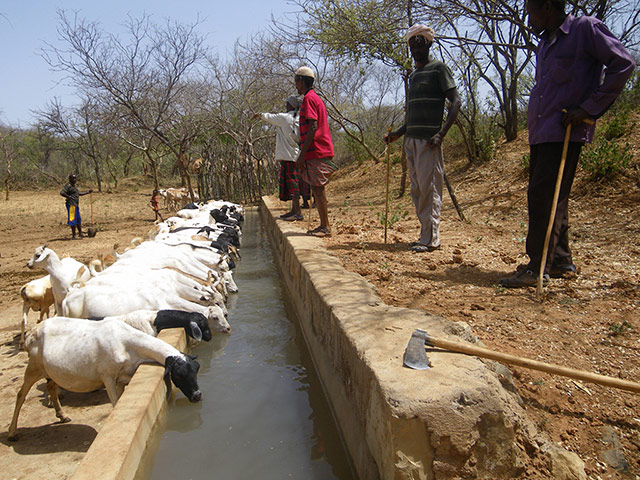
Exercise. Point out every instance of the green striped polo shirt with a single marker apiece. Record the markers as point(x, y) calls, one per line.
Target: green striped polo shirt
point(425, 110)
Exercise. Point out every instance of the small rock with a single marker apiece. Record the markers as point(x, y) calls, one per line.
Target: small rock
point(610, 437)
point(615, 459)
point(566, 465)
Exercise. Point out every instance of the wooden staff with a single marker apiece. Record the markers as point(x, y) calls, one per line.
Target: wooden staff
point(91, 203)
point(386, 196)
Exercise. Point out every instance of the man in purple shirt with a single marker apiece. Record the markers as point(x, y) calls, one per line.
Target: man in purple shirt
point(569, 89)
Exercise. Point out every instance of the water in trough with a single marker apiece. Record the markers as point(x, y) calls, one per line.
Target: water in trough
point(263, 414)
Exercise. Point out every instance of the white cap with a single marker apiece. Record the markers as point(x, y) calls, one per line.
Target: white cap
point(305, 72)
point(427, 32)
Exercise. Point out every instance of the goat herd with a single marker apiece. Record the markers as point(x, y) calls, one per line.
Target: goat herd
point(109, 312)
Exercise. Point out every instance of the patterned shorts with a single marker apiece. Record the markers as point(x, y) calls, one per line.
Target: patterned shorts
point(289, 178)
point(317, 171)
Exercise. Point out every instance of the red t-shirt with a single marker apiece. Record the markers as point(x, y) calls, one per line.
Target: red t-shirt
point(313, 108)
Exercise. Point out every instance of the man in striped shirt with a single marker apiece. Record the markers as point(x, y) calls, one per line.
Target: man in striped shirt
point(430, 84)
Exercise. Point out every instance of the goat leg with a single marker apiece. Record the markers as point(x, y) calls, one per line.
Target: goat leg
point(52, 388)
point(31, 375)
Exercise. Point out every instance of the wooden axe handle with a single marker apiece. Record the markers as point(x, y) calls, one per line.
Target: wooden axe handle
point(533, 364)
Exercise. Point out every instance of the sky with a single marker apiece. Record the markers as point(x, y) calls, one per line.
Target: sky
point(26, 82)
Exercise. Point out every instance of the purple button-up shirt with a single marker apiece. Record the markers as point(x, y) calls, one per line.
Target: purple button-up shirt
point(569, 74)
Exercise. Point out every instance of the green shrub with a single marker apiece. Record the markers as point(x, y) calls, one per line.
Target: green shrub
point(524, 162)
point(605, 158)
point(617, 124)
point(396, 213)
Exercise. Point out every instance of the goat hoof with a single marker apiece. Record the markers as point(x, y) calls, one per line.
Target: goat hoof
point(64, 419)
point(12, 437)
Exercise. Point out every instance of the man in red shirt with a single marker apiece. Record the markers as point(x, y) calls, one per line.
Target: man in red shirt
point(315, 160)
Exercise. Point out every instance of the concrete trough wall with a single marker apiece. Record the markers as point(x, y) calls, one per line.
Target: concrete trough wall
point(456, 420)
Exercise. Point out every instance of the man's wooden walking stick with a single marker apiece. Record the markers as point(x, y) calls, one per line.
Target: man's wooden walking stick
point(91, 203)
point(386, 195)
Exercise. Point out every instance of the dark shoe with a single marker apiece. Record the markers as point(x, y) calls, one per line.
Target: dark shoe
point(524, 278)
point(563, 271)
point(421, 248)
point(293, 218)
point(286, 215)
point(305, 205)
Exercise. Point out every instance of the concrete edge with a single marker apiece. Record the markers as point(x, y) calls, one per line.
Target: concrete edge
point(457, 420)
point(121, 442)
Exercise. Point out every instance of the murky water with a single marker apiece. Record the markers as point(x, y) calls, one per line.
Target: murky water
point(264, 414)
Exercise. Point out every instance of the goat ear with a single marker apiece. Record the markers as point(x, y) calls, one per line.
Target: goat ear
point(196, 333)
point(167, 378)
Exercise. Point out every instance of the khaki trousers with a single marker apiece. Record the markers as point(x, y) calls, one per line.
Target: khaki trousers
point(426, 171)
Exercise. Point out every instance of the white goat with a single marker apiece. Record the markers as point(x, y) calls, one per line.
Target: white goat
point(152, 322)
point(37, 295)
point(157, 281)
point(98, 301)
point(63, 272)
point(82, 356)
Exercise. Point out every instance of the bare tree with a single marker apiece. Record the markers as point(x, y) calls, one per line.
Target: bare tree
point(151, 79)
point(358, 30)
point(8, 154)
point(80, 128)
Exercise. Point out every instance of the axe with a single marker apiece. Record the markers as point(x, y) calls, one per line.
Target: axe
point(415, 356)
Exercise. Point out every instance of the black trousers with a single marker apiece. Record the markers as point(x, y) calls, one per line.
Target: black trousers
point(543, 173)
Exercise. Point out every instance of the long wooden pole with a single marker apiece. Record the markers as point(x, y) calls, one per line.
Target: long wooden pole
point(91, 203)
point(533, 364)
point(386, 194)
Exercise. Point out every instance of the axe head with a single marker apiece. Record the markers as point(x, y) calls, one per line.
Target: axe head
point(415, 355)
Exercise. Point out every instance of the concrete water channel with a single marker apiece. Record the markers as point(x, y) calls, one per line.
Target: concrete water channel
point(264, 413)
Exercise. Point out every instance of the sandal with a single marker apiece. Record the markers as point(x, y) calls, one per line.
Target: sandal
point(320, 232)
point(421, 248)
point(293, 218)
